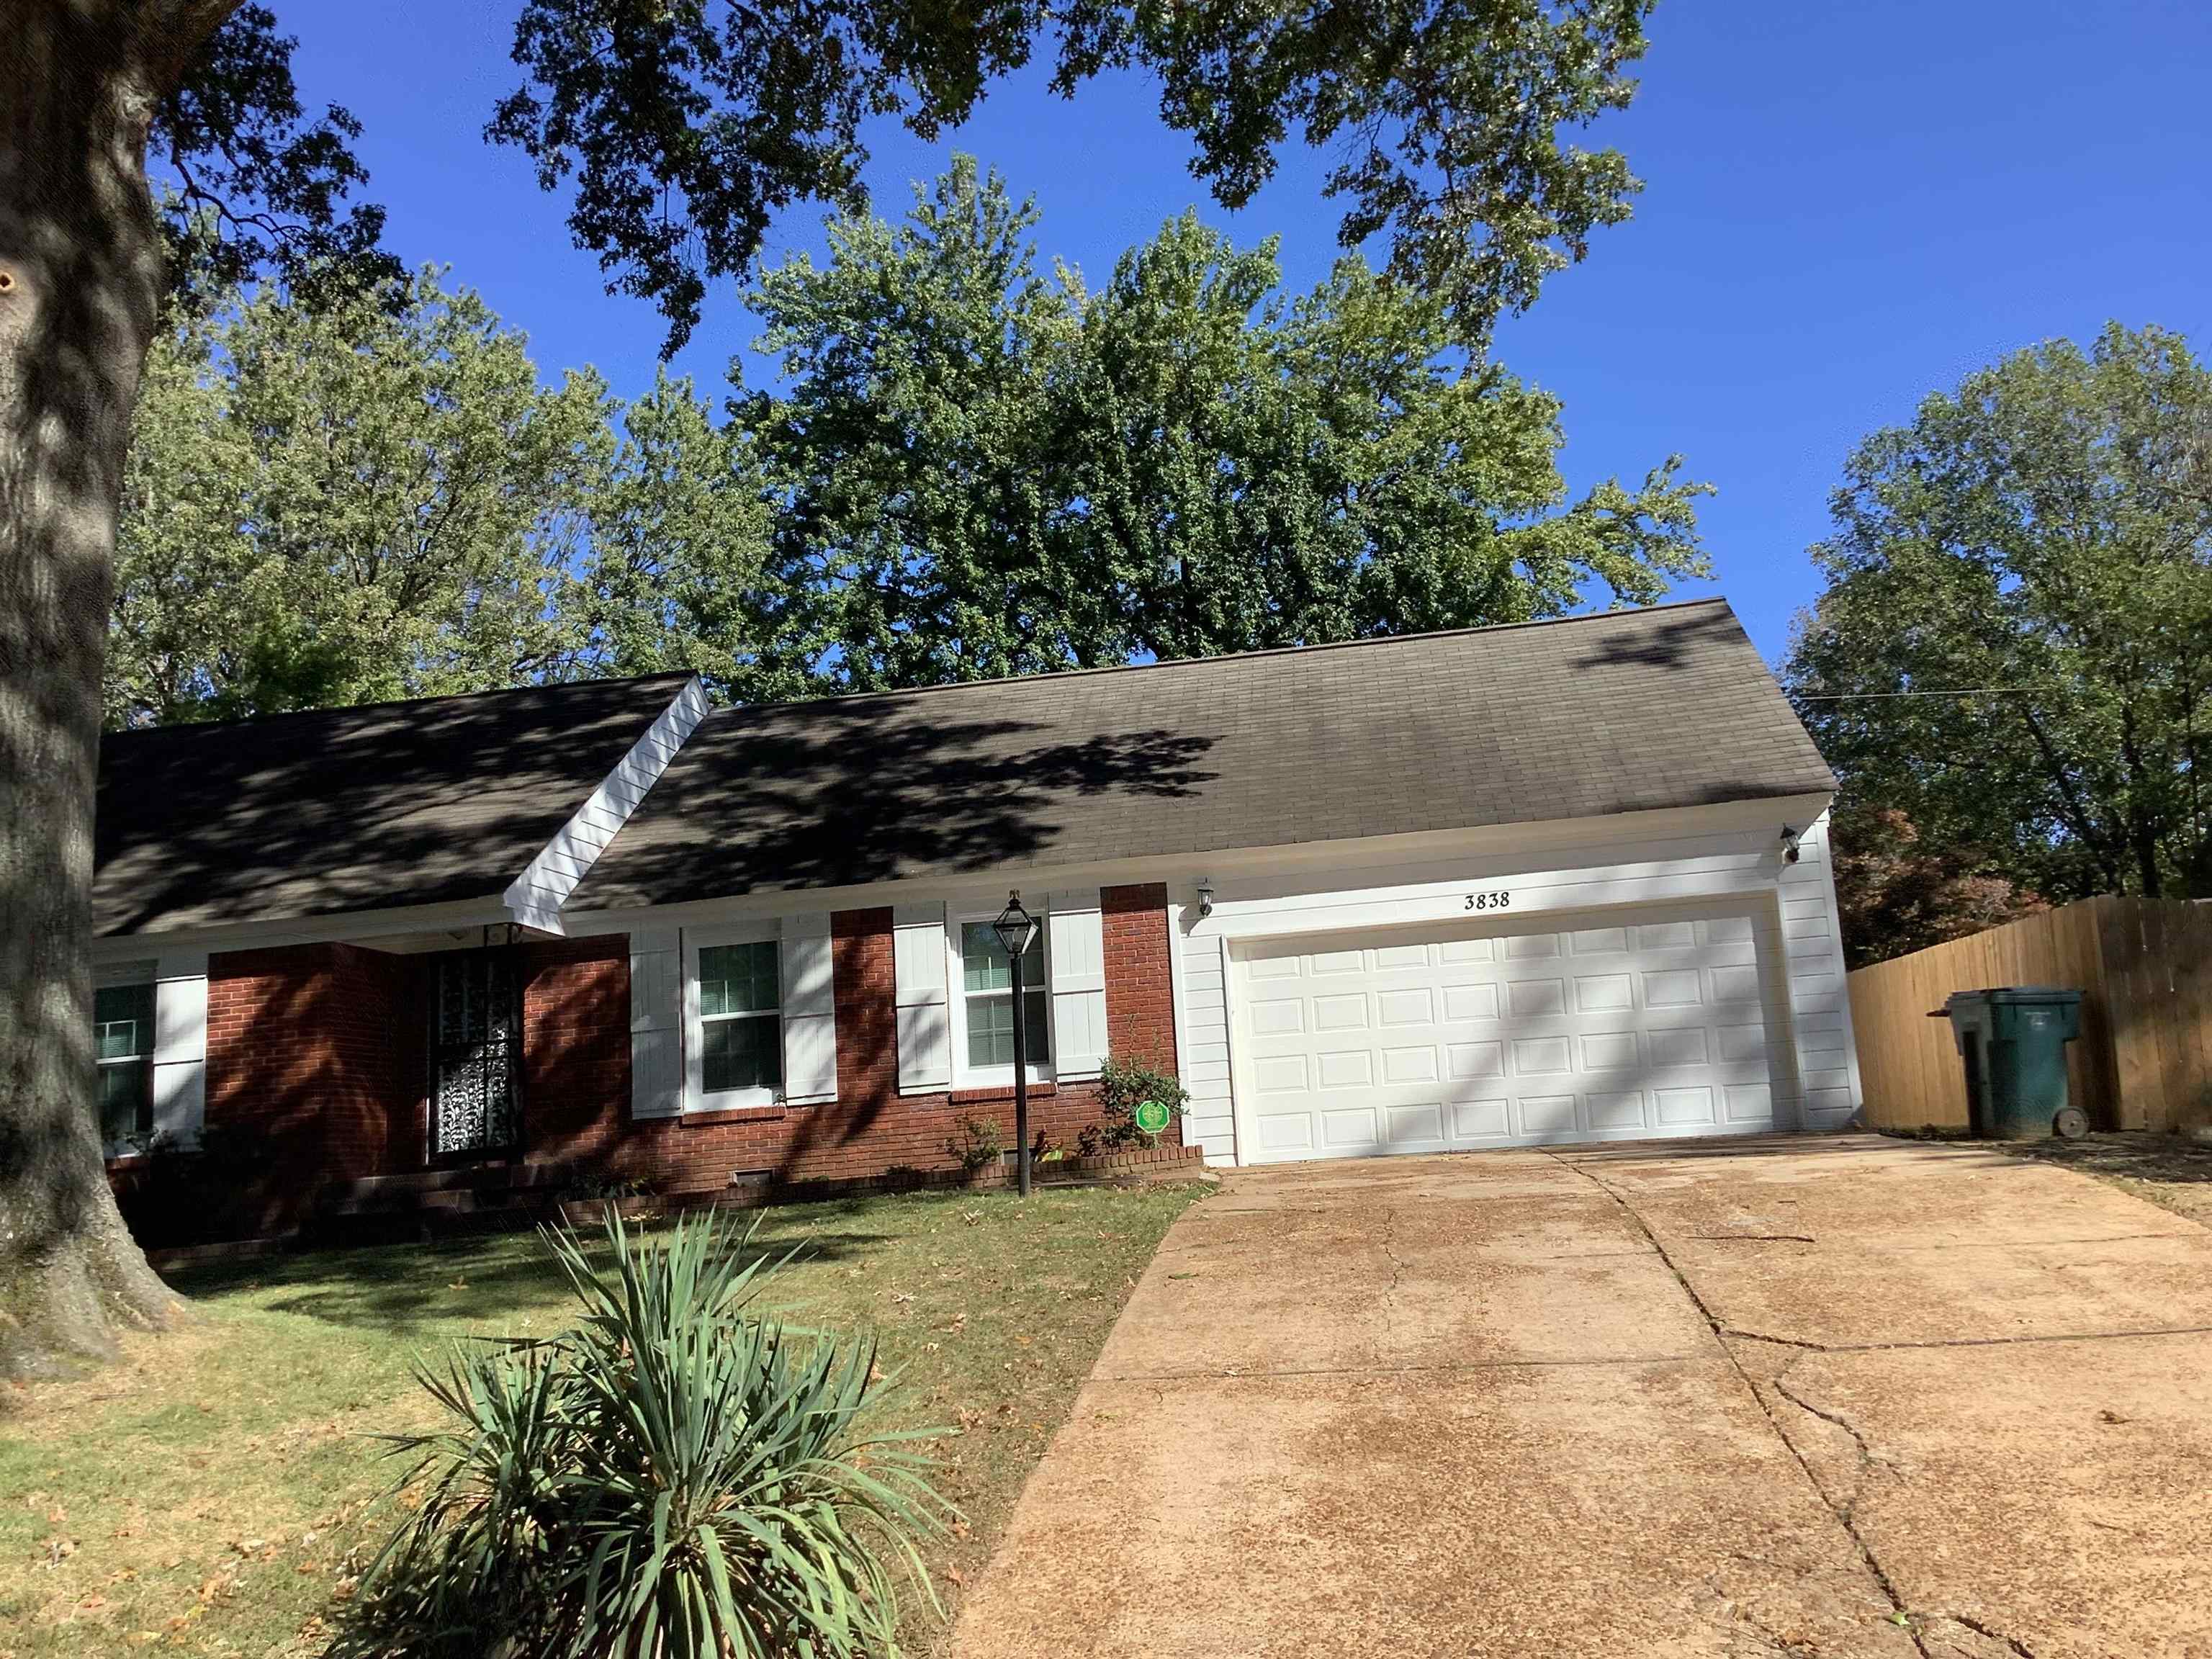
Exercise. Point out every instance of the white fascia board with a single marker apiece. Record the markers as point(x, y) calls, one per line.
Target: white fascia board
point(534, 898)
point(458, 917)
point(1497, 846)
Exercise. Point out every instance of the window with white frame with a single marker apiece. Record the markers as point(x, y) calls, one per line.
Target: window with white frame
point(984, 1045)
point(122, 1044)
point(740, 1025)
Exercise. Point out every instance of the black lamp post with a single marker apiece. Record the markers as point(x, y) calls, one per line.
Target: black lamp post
point(1016, 930)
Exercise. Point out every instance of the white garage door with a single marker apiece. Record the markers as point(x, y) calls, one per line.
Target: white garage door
point(1350, 1046)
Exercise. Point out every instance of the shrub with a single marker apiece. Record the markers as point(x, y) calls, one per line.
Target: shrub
point(976, 1147)
point(675, 1478)
point(1123, 1085)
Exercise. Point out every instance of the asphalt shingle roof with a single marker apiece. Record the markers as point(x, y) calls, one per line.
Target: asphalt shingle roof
point(1586, 716)
point(342, 810)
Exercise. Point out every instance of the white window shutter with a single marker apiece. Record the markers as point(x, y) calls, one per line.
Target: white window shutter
point(656, 1023)
point(924, 1043)
point(1075, 955)
point(810, 1011)
point(180, 1000)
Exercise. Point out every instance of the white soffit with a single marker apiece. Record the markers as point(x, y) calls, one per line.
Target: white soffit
point(534, 898)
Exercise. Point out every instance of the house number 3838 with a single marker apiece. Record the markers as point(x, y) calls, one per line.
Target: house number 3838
point(1497, 900)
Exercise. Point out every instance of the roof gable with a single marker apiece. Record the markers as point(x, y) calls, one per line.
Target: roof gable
point(344, 809)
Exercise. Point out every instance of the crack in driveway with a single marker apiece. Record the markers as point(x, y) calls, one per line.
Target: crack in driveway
point(1844, 1516)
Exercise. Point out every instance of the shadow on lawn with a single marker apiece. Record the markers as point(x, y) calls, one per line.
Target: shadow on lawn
point(476, 1282)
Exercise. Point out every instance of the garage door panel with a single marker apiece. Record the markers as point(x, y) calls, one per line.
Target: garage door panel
point(1409, 1065)
point(1747, 1102)
point(1417, 1125)
point(1482, 1120)
point(1609, 1051)
point(1548, 1056)
point(1548, 1114)
point(1416, 1005)
point(1598, 941)
point(1474, 1060)
point(1608, 1030)
point(1346, 1127)
point(1604, 994)
point(1527, 998)
point(1346, 1012)
point(1616, 1111)
point(1676, 1107)
point(1470, 1002)
point(1674, 987)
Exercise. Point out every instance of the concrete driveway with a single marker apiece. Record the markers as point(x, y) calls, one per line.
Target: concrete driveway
point(1838, 1396)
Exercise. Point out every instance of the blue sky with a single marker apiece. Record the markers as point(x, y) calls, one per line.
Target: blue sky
point(1847, 206)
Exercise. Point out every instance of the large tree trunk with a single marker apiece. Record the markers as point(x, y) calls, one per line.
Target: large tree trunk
point(80, 277)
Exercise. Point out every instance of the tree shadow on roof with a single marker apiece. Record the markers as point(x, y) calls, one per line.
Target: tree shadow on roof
point(838, 795)
point(1671, 643)
point(351, 809)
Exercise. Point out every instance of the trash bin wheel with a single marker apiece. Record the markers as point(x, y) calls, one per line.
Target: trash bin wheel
point(2070, 1123)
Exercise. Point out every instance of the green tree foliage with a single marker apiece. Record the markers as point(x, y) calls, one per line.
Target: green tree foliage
point(685, 128)
point(250, 182)
point(984, 471)
point(677, 531)
point(372, 496)
point(332, 504)
point(2042, 538)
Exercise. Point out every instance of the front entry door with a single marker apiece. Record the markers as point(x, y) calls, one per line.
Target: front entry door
point(476, 1045)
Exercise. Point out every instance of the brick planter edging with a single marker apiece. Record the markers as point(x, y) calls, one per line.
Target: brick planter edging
point(1130, 1158)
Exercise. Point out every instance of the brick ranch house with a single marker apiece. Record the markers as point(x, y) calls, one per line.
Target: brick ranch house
point(1559, 881)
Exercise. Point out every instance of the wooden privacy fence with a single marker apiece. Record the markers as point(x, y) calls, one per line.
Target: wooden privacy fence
point(2144, 1058)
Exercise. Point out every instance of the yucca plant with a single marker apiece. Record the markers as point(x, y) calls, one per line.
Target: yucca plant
point(677, 1476)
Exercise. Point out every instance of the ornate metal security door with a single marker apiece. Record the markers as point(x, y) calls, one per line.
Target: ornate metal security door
point(476, 1042)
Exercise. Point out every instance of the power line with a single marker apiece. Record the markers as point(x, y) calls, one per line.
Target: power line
point(1971, 691)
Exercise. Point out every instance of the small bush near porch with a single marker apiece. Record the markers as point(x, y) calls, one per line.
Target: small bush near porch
point(208, 1495)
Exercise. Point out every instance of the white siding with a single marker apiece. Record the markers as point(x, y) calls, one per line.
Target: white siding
point(1205, 1059)
point(1821, 1007)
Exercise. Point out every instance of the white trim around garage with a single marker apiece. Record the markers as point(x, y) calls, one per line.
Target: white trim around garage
point(1736, 865)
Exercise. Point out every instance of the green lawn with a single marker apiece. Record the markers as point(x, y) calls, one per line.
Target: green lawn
point(202, 1496)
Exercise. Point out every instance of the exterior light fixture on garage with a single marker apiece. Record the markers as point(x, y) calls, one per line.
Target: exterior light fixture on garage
point(1204, 899)
point(1016, 930)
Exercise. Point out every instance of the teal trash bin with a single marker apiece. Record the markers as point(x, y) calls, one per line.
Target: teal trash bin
point(2013, 1039)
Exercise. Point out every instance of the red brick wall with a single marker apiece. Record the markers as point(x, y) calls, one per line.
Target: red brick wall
point(1139, 992)
point(303, 1058)
point(576, 1048)
point(870, 1127)
point(318, 1051)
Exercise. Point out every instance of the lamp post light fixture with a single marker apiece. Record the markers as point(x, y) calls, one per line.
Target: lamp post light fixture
point(1017, 930)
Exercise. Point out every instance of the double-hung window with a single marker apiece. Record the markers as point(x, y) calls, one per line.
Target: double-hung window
point(987, 1007)
point(123, 1043)
point(740, 1024)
